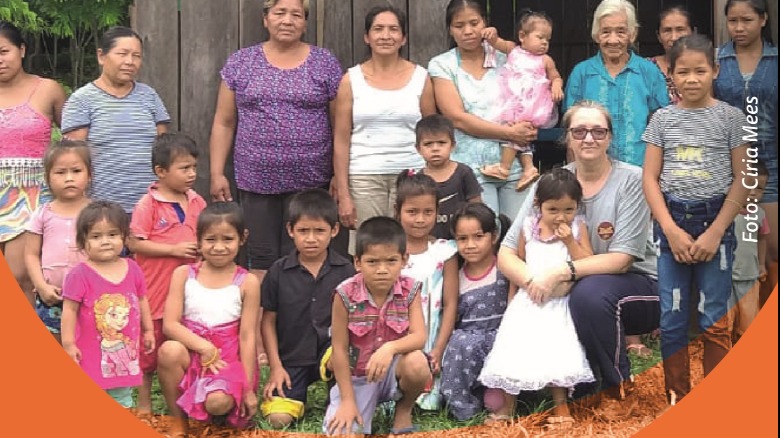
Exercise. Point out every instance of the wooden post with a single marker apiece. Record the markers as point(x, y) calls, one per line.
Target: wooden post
point(337, 30)
point(157, 22)
point(209, 34)
point(428, 34)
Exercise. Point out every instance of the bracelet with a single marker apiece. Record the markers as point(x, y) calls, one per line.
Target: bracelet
point(739, 205)
point(213, 359)
point(572, 270)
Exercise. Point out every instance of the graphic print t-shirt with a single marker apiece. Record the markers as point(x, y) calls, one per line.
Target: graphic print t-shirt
point(108, 328)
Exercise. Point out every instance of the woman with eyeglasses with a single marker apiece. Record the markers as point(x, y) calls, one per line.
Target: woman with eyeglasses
point(613, 292)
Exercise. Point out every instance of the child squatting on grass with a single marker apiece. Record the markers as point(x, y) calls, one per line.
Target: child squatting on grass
point(378, 333)
point(208, 366)
point(296, 297)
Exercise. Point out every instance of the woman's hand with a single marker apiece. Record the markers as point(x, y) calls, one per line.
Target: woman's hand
point(346, 415)
point(704, 248)
point(543, 285)
point(277, 381)
point(248, 404)
point(347, 211)
point(220, 188)
point(50, 295)
point(522, 132)
point(680, 244)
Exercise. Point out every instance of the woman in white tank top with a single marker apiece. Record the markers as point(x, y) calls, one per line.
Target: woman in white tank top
point(377, 107)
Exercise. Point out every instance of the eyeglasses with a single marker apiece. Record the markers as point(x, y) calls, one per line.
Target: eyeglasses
point(596, 133)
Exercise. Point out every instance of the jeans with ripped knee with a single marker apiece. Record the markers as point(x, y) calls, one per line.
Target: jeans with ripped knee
point(675, 280)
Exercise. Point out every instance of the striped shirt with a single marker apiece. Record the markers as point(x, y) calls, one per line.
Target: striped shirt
point(697, 144)
point(121, 133)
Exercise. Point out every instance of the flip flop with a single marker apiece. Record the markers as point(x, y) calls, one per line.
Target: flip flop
point(404, 430)
point(496, 418)
point(641, 350)
point(325, 373)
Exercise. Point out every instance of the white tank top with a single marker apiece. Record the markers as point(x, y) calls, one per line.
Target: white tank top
point(383, 124)
point(212, 307)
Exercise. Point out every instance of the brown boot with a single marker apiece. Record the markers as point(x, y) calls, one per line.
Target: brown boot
point(717, 343)
point(677, 376)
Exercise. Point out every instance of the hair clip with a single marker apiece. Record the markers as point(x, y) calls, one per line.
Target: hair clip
point(410, 172)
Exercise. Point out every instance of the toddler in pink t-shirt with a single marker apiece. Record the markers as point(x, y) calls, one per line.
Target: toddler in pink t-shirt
point(105, 306)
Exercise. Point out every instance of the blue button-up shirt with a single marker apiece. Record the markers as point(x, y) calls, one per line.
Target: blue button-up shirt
point(630, 97)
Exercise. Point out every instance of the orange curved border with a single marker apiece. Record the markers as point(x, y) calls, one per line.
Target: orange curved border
point(46, 394)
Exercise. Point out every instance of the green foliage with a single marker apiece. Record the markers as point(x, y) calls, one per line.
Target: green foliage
point(69, 18)
point(19, 13)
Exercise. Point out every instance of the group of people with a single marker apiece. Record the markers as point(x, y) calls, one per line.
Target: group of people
point(437, 308)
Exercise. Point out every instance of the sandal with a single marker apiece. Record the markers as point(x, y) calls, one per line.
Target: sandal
point(640, 350)
point(495, 171)
point(403, 431)
point(526, 180)
point(494, 418)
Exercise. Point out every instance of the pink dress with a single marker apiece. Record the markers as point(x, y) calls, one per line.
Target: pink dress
point(214, 314)
point(525, 90)
point(25, 134)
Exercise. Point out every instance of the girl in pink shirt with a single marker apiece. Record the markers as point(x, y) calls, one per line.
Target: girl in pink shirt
point(50, 247)
point(105, 307)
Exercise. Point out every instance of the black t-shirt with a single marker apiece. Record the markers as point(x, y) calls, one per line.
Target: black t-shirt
point(453, 194)
point(303, 305)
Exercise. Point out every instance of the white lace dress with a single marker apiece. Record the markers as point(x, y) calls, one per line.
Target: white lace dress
point(536, 345)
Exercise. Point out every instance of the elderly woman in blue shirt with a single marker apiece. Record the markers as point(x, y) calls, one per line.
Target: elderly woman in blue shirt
point(629, 86)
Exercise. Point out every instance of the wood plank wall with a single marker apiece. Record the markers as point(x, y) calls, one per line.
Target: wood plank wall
point(186, 42)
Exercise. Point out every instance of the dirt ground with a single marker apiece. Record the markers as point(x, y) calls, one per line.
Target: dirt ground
point(646, 398)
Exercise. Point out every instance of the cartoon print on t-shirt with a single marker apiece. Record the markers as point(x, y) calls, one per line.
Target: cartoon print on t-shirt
point(119, 354)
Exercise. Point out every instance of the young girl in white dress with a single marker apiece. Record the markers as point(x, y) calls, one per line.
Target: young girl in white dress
point(536, 346)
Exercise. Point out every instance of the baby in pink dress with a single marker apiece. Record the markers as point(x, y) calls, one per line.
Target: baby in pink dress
point(530, 87)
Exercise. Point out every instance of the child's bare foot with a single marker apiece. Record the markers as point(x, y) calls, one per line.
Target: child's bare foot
point(495, 171)
point(530, 174)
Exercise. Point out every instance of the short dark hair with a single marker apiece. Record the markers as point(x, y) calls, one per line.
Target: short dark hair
point(97, 211)
point(12, 33)
point(694, 42)
point(434, 124)
point(218, 212)
point(315, 204)
point(108, 40)
point(379, 230)
point(169, 145)
point(556, 184)
point(675, 9)
point(376, 10)
point(411, 183)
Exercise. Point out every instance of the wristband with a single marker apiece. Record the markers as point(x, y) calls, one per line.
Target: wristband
point(572, 270)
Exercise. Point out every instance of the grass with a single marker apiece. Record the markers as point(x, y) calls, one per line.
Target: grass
point(527, 403)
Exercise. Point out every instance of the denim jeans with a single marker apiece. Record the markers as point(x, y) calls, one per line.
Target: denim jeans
point(713, 278)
